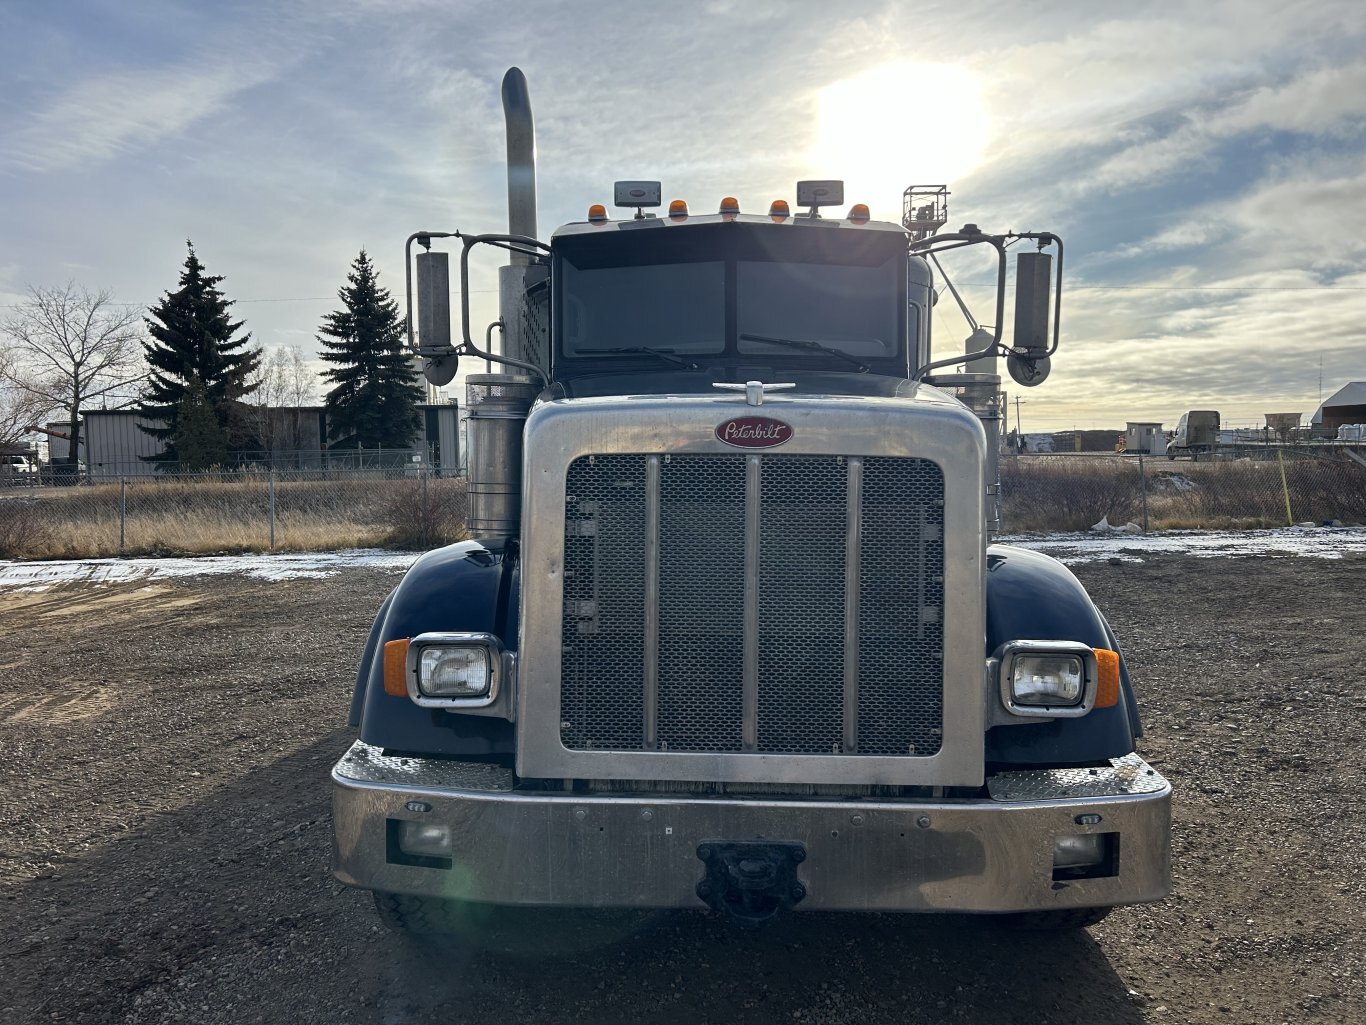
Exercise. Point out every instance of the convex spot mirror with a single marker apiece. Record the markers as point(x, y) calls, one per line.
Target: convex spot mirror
point(1028, 372)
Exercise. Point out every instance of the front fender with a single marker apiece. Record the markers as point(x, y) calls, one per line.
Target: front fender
point(471, 586)
point(1031, 596)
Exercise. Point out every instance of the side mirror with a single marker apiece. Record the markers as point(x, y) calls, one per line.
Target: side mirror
point(434, 317)
point(1029, 364)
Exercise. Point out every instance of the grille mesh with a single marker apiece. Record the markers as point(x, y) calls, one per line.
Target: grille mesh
point(901, 608)
point(801, 605)
point(701, 602)
point(801, 601)
point(602, 674)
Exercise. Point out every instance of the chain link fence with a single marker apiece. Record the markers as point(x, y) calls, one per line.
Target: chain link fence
point(285, 461)
point(1062, 493)
point(413, 507)
point(245, 510)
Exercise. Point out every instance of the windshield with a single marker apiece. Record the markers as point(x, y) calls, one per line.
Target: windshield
point(844, 307)
point(733, 291)
point(676, 307)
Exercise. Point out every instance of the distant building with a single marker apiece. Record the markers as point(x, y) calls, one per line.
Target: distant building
point(1345, 406)
point(1146, 437)
point(113, 444)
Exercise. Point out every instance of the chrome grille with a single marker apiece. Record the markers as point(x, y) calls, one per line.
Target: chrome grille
point(732, 602)
point(901, 608)
point(601, 699)
point(701, 603)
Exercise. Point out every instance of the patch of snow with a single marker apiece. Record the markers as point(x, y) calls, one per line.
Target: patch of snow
point(1106, 526)
point(38, 576)
point(1298, 541)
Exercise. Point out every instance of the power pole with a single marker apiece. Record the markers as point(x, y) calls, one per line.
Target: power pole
point(1018, 432)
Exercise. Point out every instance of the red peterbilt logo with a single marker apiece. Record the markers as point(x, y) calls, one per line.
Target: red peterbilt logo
point(753, 432)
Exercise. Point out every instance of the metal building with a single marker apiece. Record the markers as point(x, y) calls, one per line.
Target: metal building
point(1344, 407)
point(113, 445)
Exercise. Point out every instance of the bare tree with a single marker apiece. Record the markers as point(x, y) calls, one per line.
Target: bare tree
point(19, 405)
point(72, 346)
point(285, 383)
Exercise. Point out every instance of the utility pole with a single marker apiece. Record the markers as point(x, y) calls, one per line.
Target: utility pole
point(1018, 432)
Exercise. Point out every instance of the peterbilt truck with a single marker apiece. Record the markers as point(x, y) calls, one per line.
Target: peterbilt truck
point(730, 630)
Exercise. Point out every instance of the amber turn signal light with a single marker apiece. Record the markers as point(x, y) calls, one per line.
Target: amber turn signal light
point(396, 668)
point(1107, 678)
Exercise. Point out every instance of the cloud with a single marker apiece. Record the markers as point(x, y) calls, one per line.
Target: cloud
point(108, 115)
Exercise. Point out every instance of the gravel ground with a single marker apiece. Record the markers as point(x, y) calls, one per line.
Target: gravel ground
point(164, 832)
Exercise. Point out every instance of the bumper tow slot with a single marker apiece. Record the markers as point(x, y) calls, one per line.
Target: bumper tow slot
point(750, 883)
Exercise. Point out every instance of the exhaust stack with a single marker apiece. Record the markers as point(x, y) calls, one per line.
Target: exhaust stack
point(521, 140)
point(497, 404)
point(523, 306)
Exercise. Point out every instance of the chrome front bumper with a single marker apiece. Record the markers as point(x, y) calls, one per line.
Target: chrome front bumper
point(510, 846)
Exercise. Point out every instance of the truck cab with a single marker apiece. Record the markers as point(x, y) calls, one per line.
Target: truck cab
point(730, 631)
point(1196, 435)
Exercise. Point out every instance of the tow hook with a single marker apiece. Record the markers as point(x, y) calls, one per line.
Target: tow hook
point(750, 883)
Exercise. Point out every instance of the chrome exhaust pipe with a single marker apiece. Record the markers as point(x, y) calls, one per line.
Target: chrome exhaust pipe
point(521, 142)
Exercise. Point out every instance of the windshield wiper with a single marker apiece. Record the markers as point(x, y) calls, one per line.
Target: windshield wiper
point(798, 343)
point(664, 354)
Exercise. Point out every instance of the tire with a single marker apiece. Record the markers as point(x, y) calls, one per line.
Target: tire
point(1054, 921)
point(518, 932)
point(425, 916)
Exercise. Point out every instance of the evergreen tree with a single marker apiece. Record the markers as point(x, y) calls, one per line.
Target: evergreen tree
point(375, 396)
point(200, 440)
point(194, 338)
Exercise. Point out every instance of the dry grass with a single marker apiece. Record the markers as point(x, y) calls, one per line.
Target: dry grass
point(182, 517)
point(1059, 493)
point(210, 516)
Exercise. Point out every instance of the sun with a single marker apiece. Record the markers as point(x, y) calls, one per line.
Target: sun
point(897, 125)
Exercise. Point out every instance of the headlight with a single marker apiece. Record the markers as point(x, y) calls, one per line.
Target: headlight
point(1047, 678)
point(449, 672)
point(454, 670)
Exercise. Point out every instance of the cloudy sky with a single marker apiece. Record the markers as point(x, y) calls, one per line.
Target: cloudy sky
point(1203, 161)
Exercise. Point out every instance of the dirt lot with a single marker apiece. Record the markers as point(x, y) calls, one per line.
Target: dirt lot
point(164, 833)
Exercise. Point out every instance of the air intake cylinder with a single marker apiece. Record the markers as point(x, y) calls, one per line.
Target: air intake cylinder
point(496, 407)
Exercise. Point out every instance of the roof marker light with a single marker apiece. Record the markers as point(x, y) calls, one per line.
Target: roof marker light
point(597, 214)
point(858, 213)
point(678, 210)
point(779, 210)
point(730, 208)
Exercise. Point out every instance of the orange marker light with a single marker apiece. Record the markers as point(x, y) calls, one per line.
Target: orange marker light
point(858, 213)
point(779, 210)
point(730, 207)
point(396, 668)
point(597, 214)
point(678, 210)
point(1107, 678)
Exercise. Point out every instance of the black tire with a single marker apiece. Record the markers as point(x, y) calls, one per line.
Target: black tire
point(519, 932)
point(426, 916)
point(1054, 921)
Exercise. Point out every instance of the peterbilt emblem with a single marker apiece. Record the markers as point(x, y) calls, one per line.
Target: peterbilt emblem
point(753, 432)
